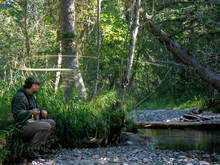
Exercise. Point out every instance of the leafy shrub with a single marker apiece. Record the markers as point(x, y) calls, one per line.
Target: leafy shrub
point(13, 149)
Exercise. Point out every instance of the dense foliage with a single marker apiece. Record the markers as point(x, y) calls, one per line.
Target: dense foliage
point(192, 24)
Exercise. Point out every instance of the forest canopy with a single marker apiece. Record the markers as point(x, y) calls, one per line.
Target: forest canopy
point(127, 46)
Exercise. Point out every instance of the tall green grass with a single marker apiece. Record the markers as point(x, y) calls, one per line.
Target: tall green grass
point(77, 121)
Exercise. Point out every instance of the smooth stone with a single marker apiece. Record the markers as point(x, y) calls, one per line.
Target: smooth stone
point(176, 153)
point(96, 156)
point(182, 157)
point(206, 156)
point(71, 162)
point(217, 157)
point(153, 155)
point(145, 160)
point(116, 159)
point(203, 163)
point(129, 142)
point(196, 159)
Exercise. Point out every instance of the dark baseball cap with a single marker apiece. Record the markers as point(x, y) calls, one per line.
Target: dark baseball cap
point(33, 80)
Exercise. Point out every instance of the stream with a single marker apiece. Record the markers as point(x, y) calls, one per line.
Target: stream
point(185, 139)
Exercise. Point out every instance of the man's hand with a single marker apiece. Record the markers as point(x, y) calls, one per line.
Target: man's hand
point(44, 113)
point(34, 111)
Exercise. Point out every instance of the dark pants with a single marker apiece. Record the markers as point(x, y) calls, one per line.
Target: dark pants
point(39, 131)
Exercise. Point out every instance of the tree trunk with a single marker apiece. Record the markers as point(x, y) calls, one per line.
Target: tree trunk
point(206, 73)
point(59, 64)
point(67, 33)
point(27, 43)
point(140, 46)
point(98, 44)
point(132, 46)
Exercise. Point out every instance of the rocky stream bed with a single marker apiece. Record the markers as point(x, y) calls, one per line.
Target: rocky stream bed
point(132, 153)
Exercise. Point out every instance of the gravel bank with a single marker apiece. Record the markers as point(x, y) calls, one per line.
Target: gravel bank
point(128, 155)
point(161, 115)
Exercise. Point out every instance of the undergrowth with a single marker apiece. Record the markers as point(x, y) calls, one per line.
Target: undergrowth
point(184, 100)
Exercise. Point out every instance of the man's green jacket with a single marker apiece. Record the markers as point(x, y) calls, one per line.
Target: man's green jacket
point(21, 103)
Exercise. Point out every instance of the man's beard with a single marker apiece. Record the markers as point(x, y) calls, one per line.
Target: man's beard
point(35, 92)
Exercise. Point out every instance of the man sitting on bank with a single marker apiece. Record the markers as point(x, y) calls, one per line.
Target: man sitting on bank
point(33, 120)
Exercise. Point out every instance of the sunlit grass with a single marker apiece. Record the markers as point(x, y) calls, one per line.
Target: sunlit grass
point(184, 101)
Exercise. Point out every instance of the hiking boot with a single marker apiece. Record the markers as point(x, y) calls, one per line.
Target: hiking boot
point(33, 154)
point(43, 150)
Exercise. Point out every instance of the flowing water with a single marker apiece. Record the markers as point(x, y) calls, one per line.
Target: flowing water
point(185, 139)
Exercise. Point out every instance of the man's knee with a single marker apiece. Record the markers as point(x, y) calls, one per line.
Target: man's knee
point(44, 126)
point(51, 122)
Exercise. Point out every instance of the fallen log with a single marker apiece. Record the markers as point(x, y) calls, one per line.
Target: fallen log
point(194, 117)
point(199, 125)
point(189, 120)
point(154, 91)
point(183, 54)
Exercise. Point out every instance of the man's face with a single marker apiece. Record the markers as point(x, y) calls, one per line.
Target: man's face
point(35, 88)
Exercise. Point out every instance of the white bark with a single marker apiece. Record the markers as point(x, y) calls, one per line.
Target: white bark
point(133, 42)
point(98, 44)
point(59, 64)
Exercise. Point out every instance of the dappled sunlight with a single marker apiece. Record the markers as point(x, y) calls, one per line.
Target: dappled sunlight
point(103, 61)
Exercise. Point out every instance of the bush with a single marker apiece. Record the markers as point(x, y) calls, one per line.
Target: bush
point(13, 147)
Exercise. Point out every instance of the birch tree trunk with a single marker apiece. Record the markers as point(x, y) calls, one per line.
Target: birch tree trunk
point(72, 79)
point(59, 64)
point(132, 46)
point(206, 73)
point(98, 44)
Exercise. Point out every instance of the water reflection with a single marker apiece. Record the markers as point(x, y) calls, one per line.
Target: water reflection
point(185, 139)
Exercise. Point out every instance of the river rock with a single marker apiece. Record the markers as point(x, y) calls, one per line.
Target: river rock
point(206, 156)
point(145, 160)
point(129, 155)
point(204, 163)
point(217, 157)
point(182, 157)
